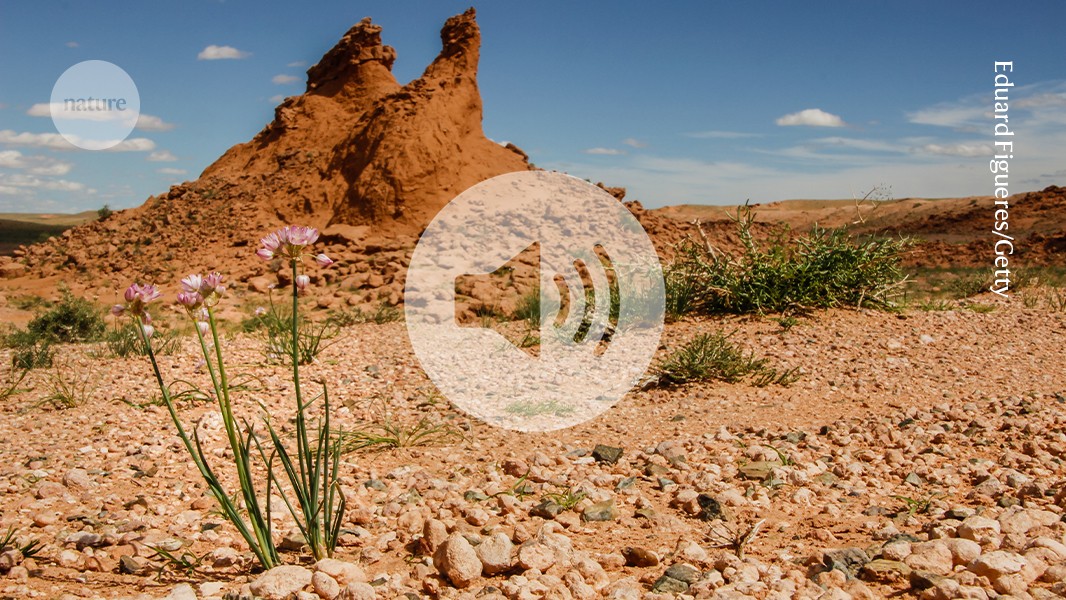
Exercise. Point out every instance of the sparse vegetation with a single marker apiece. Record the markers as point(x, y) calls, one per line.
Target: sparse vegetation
point(125, 341)
point(67, 389)
point(383, 313)
point(566, 498)
point(71, 320)
point(390, 434)
point(275, 325)
point(711, 356)
point(28, 549)
point(104, 212)
point(820, 269)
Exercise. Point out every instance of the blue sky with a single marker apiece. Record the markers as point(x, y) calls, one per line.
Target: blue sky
point(681, 102)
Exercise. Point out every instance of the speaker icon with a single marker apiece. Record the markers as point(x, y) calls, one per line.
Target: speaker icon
point(601, 301)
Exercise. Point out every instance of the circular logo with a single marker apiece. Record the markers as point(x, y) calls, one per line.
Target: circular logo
point(600, 301)
point(95, 105)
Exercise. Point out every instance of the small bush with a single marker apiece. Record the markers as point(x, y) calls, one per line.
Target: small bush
point(71, 320)
point(528, 308)
point(968, 286)
point(31, 351)
point(821, 269)
point(383, 313)
point(275, 325)
point(104, 212)
point(713, 356)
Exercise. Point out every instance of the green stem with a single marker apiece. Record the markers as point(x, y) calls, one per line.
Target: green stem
point(264, 554)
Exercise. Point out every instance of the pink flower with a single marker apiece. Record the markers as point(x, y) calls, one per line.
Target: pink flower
point(118, 310)
point(260, 311)
point(137, 299)
point(149, 331)
point(192, 283)
point(191, 300)
point(302, 281)
point(323, 260)
point(288, 242)
point(203, 327)
point(212, 282)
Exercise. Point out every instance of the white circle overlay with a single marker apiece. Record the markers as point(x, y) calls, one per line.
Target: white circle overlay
point(591, 354)
point(95, 105)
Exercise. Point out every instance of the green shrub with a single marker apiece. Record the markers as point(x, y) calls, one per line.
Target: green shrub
point(821, 269)
point(71, 320)
point(275, 325)
point(31, 351)
point(713, 356)
point(383, 313)
point(528, 308)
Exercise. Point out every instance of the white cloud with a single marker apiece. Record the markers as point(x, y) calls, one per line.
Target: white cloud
point(966, 149)
point(964, 115)
point(72, 44)
point(171, 171)
point(634, 142)
point(162, 156)
point(133, 145)
point(153, 123)
point(278, 99)
point(38, 165)
point(604, 151)
point(19, 180)
point(214, 52)
point(859, 144)
point(284, 79)
point(297, 63)
point(811, 117)
point(54, 141)
point(59, 111)
point(721, 135)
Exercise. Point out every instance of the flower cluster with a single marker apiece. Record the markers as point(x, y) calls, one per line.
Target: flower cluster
point(198, 291)
point(138, 297)
point(289, 242)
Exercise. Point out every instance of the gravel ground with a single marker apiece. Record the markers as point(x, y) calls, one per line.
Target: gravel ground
point(919, 455)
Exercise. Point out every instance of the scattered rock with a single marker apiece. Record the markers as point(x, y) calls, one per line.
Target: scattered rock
point(600, 511)
point(639, 557)
point(606, 454)
point(457, 560)
point(281, 583)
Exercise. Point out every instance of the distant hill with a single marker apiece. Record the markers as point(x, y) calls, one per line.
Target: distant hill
point(27, 228)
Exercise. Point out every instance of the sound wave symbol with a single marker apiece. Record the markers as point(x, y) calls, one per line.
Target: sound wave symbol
point(587, 316)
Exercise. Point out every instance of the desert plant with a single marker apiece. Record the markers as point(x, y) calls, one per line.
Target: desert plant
point(124, 341)
point(72, 319)
point(104, 212)
point(566, 498)
point(821, 269)
point(28, 549)
point(391, 434)
point(312, 469)
point(11, 386)
point(735, 537)
point(713, 356)
point(382, 313)
point(528, 308)
point(276, 326)
point(30, 351)
point(967, 286)
point(67, 389)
